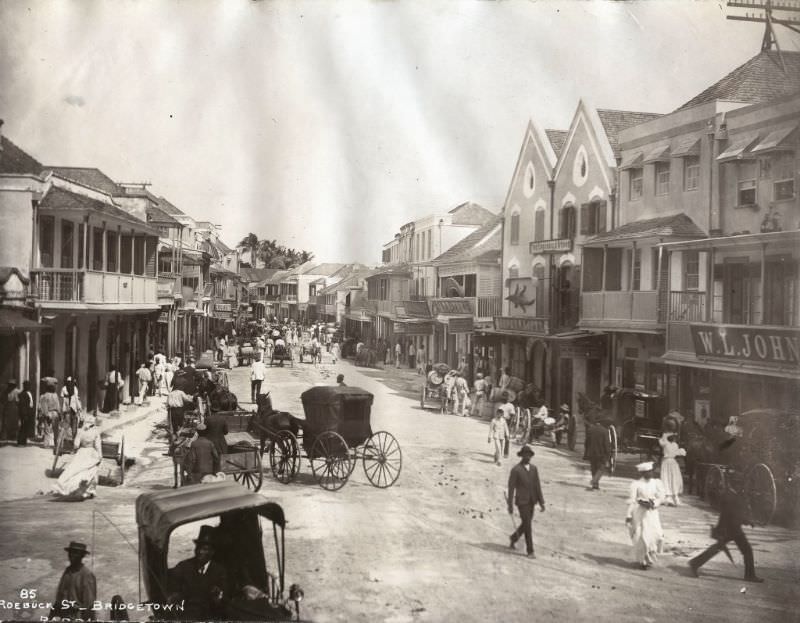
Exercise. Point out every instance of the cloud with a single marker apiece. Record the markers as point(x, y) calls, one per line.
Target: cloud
point(75, 100)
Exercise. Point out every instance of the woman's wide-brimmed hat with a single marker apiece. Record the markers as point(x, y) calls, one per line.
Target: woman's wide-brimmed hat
point(647, 466)
point(526, 450)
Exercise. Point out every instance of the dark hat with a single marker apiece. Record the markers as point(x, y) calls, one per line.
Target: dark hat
point(526, 450)
point(75, 546)
point(206, 536)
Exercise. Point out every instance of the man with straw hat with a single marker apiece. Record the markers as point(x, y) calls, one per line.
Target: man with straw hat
point(77, 589)
point(525, 491)
point(642, 519)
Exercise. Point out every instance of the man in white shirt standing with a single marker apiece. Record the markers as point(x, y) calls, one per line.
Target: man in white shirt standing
point(257, 372)
point(398, 352)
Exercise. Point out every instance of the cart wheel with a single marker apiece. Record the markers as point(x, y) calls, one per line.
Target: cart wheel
point(382, 459)
point(121, 461)
point(613, 442)
point(571, 433)
point(761, 493)
point(284, 456)
point(715, 485)
point(330, 461)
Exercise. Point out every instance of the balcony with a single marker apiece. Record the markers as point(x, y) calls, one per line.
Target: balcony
point(288, 298)
point(169, 286)
point(620, 310)
point(78, 289)
point(556, 245)
point(522, 325)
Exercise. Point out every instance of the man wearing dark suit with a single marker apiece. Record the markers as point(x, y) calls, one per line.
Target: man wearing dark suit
point(732, 514)
point(525, 490)
point(598, 449)
point(216, 429)
point(199, 582)
point(203, 458)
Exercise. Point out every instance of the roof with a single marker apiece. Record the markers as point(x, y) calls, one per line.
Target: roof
point(221, 270)
point(402, 270)
point(62, 199)
point(557, 139)
point(157, 215)
point(160, 512)
point(677, 225)
point(14, 160)
point(12, 321)
point(88, 176)
point(7, 271)
point(328, 269)
point(761, 79)
point(484, 244)
point(168, 207)
point(615, 121)
point(256, 274)
point(469, 213)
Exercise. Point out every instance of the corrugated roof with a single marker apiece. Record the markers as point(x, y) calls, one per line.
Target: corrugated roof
point(88, 176)
point(62, 199)
point(761, 79)
point(15, 160)
point(615, 121)
point(676, 225)
point(557, 139)
point(484, 244)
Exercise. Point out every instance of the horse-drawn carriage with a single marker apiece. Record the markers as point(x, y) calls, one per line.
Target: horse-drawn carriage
point(246, 351)
point(757, 454)
point(334, 435)
point(281, 352)
point(309, 348)
point(254, 593)
point(434, 389)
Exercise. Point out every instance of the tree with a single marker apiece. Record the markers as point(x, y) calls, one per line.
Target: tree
point(250, 242)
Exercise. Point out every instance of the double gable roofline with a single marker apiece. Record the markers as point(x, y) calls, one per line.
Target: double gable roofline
point(543, 148)
point(597, 133)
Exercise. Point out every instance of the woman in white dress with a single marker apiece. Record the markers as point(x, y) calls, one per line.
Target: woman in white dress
point(670, 470)
point(79, 478)
point(643, 521)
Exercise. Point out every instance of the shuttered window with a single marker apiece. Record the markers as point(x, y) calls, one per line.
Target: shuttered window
point(514, 234)
point(538, 225)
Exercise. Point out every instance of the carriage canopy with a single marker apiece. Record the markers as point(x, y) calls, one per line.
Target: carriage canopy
point(344, 410)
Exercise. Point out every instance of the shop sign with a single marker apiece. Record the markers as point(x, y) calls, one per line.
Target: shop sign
point(222, 307)
point(588, 351)
point(742, 343)
point(459, 325)
point(163, 317)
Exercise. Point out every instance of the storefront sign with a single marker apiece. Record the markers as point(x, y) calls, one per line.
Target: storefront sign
point(163, 317)
point(459, 325)
point(222, 307)
point(742, 343)
point(587, 351)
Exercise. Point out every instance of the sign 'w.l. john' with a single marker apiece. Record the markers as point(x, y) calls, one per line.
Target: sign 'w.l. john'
point(769, 345)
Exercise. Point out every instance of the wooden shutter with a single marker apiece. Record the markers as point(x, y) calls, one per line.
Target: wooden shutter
point(584, 218)
point(601, 216)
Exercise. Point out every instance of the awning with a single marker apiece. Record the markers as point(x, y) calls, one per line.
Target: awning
point(632, 161)
point(690, 361)
point(456, 324)
point(413, 326)
point(13, 322)
point(659, 154)
point(776, 141)
point(358, 317)
point(737, 148)
point(687, 147)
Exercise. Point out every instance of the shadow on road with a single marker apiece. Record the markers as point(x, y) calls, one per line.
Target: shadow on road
point(615, 562)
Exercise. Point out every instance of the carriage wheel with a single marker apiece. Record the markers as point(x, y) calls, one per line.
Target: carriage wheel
point(627, 435)
point(571, 433)
point(761, 493)
point(613, 442)
point(382, 459)
point(330, 461)
point(252, 479)
point(284, 456)
point(714, 485)
point(121, 461)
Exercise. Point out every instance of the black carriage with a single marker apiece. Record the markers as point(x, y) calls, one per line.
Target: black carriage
point(281, 353)
point(246, 352)
point(433, 390)
point(334, 435)
point(757, 455)
point(309, 349)
point(256, 592)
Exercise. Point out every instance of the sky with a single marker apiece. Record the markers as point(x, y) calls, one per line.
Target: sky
point(329, 125)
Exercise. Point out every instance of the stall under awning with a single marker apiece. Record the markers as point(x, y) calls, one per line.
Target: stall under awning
point(777, 140)
point(659, 154)
point(13, 321)
point(738, 148)
point(687, 147)
point(632, 161)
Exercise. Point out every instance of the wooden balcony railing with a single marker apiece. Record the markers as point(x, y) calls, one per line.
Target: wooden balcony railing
point(489, 306)
point(79, 286)
point(610, 306)
point(687, 306)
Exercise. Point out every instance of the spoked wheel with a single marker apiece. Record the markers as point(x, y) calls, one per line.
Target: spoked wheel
point(761, 493)
point(613, 443)
point(571, 433)
point(121, 461)
point(254, 476)
point(59, 450)
point(284, 456)
point(330, 460)
point(627, 435)
point(715, 485)
point(382, 459)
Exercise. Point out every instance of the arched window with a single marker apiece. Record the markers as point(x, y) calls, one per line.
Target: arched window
point(513, 272)
point(514, 228)
point(566, 221)
point(538, 225)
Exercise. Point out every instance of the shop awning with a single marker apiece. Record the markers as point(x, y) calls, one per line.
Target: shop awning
point(632, 161)
point(737, 150)
point(456, 324)
point(413, 326)
point(358, 317)
point(687, 147)
point(659, 154)
point(690, 361)
point(12, 322)
point(777, 140)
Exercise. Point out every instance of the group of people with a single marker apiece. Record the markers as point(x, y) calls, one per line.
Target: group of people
point(17, 413)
